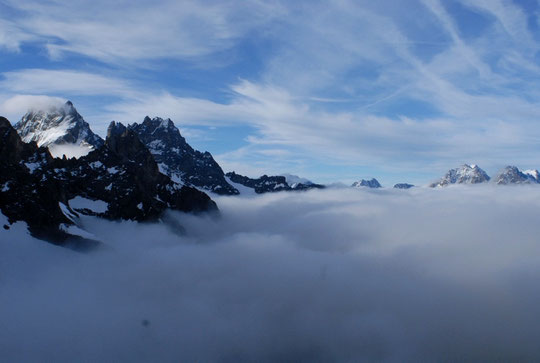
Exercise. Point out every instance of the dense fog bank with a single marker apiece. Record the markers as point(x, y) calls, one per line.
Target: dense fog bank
point(332, 275)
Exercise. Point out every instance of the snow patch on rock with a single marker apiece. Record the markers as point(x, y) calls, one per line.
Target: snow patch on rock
point(97, 206)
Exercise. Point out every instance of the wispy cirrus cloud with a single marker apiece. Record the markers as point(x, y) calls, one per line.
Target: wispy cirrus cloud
point(64, 82)
point(281, 121)
point(138, 31)
point(11, 36)
point(413, 86)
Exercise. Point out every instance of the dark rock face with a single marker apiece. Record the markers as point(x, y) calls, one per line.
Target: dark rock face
point(269, 184)
point(57, 125)
point(373, 183)
point(403, 186)
point(124, 174)
point(177, 159)
point(121, 173)
point(512, 175)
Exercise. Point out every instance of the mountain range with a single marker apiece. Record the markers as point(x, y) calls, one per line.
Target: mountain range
point(53, 169)
point(473, 174)
point(118, 180)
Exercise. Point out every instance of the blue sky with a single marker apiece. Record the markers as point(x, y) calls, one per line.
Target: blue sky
point(330, 90)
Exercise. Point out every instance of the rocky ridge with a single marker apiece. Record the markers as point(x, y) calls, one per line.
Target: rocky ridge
point(270, 184)
point(177, 159)
point(121, 176)
point(403, 186)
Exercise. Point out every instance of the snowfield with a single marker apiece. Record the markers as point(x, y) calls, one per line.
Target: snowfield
point(327, 275)
point(97, 206)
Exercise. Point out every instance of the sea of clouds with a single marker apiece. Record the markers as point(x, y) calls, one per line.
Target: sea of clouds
point(333, 275)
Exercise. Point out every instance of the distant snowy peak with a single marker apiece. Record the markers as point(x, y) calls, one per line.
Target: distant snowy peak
point(299, 183)
point(270, 184)
point(533, 173)
point(403, 186)
point(178, 160)
point(512, 175)
point(465, 174)
point(264, 184)
point(373, 183)
point(61, 128)
point(295, 179)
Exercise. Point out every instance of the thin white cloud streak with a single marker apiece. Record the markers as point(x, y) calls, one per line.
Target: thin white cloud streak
point(22, 103)
point(281, 119)
point(476, 124)
point(336, 275)
point(510, 17)
point(43, 81)
point(11, 36)
point(133, 31)
point(464, 51)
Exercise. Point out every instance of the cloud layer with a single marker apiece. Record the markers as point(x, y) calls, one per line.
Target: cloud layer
point(335, 275)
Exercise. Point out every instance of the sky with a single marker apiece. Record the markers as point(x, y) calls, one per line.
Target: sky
point(288, 277)
point(330, 90)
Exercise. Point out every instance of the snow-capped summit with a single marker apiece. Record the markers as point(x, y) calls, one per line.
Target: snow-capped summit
point(60, 128)
point(178, 160)
point(373, 183)
point(403, 186)
point(270, 184)
point(533, 173)
point(465, 174)
point(295, 179)
point(512, 175)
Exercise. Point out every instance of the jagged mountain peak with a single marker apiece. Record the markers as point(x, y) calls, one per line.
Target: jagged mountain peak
point(59, 127)
point(158, 122)
point(512, 175)
point(177, 159)
point(293, 180)
point(119, 180)
point(124, 142)
point(373, 183)
point(164, 129)
point(465, 174)
point(534, 173)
